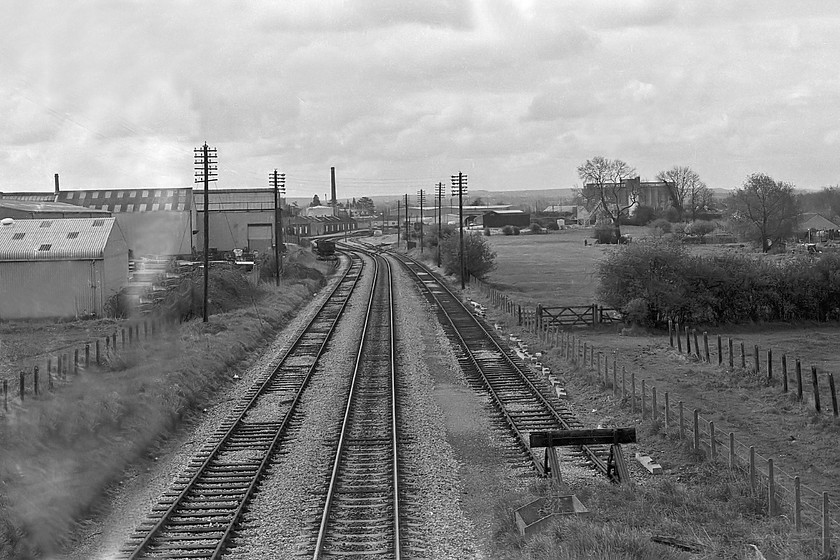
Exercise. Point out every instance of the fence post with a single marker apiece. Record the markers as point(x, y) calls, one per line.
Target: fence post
point(87, 355)
point(755, 358)
point(22, 388)
point(130, 335)
point(706, 346)
point(833, 393)
point(731, 354)
point(826, 527)
point(816, 384)
point(784, 374)
point(6, 394)
point(769, 364)
point(594, 314)
point(752, 469)
point(76, 361)
point(712, 442)
point(743, 357)
point(696, 345)
point(35, 380)
point(98, 361)
point(687, 340)
point(519, 315)
point(538, 316)
point(771, 489)
point(49, 364)
point(114, 342)
point(797, 504)
point(679, 338)
point(49, 380)
point(798, 379)
point(696, 430)
point(671, 332)
point(720, 350)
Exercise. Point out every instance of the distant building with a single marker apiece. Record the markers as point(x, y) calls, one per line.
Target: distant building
point(238, 218)
point(502, 218)
point(60, 268)
point(811, 221)
point(319, 212)
point(655, 194)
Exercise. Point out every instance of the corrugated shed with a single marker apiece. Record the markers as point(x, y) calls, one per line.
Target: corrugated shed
point(53, 207)
point(131, 200)
point(55, 240)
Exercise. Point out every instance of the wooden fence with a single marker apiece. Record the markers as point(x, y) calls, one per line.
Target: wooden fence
point(808, 510)
point(545, 316)
point(783, 369)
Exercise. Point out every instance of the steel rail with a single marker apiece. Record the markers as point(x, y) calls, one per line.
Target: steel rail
point(411, 264)
point(260, 388)
point(346, 421)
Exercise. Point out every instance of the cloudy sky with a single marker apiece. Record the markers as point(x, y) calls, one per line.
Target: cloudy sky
point(398, 95)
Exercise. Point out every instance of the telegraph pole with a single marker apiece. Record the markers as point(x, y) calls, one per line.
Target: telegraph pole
point(407, 235)
point(439, 193)
point(459, 181)
point(206, 170)
point(278, 182)
point(421, 197)
point(399, 213)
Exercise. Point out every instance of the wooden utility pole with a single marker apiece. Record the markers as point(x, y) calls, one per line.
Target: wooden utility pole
point(206, 170)
point(439, 193)
point(459, 181)
point(407, 235)
point(278, 183)
point(399, 213)
point(421, 197)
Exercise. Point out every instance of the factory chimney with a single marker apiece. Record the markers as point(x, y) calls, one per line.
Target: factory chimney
point(57, 190)
point(332, 178)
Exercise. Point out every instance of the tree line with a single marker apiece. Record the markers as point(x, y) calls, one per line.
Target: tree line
point(762, 209)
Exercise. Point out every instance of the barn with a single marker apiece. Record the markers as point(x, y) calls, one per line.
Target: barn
point(502, 218)
point(60, 268)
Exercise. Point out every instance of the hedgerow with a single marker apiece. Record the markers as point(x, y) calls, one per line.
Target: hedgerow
point(660, 280)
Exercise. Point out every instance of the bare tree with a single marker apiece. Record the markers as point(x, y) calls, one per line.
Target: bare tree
point(687, 191)
point(604, 181)
point(766, 208)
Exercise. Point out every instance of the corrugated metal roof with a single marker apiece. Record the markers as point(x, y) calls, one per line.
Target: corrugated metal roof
point(36, 206)
point(131, 200)
point(56, 239)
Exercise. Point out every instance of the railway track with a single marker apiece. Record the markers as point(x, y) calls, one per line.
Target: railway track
point(362, 506)
point(198, 516)
point(520, 395)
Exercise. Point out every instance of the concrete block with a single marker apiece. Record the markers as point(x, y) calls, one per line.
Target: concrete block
point(647, 462)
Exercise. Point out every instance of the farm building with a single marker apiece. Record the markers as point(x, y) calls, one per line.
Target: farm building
point(153, 221)
point(60, 268)
point(502, 218)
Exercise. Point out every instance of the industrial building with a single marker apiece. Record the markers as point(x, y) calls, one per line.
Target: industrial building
point(34, 209)
point(502, 218)
point(60, 268)
point(153, 221)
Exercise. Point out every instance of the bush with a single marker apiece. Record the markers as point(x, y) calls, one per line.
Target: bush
point(552, 226)
point(479, 258)
point(605, 233)
point(671, 214)
point(487, 232)
point(700, 227)
point(718, 289)
point(643, 215)
point(535, 228)
point(510, 230)
point(661, 224)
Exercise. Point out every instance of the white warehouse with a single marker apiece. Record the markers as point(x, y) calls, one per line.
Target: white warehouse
point(60, 268)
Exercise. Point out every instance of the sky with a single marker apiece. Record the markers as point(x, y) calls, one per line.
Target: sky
point(399, 95)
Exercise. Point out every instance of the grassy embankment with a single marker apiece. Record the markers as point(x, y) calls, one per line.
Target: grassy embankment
point(65, 449)
point(699, 502)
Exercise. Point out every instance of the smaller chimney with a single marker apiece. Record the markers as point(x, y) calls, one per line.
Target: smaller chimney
point(332, 180)
point(57, 190)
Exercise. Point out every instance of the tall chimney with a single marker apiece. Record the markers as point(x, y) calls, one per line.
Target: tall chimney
point(56, 184)
point(332, 177)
